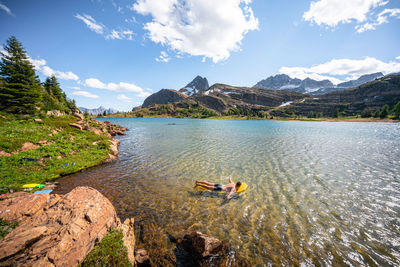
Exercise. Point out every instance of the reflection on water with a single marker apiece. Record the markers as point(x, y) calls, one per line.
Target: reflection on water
point(322, 193)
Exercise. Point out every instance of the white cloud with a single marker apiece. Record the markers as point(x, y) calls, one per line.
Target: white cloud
point(333, 12)
point(117, 87)
point(124, 34)
point(75, 88)
point(40, 65)
point(85, 94)
point(163, 57)
point(398, 58)
point(101, 29)
point(380, 19)
point(124, 98)
point(144, 94)
point(206, 28)
point(91, 23)
point(348, 68)
point(6, 9)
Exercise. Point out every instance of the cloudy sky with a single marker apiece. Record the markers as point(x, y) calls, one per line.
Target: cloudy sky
point(115, 53)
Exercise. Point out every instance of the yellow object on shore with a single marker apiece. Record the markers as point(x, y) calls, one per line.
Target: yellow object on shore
point(33, 186)
point(241, 189)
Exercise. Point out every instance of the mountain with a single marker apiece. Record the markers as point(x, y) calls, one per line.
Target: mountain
point(349, 84)
point(284, 82)
point(363, 79)
point(198, 85)
point(164, 96)
point(98, 111)
point(220, 98)
point(363, 99)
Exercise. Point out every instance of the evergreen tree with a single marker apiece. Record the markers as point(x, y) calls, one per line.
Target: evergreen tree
point(336, 113)
point(377, 113)
point(20, 89)
point(396, 110)
point(384, 111)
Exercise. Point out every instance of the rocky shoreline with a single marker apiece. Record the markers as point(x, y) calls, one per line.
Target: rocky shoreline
point(61, 230)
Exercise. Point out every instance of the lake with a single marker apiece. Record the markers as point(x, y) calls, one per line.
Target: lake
point(320, 193)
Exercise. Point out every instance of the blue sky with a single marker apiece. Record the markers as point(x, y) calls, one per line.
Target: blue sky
point(114, 53)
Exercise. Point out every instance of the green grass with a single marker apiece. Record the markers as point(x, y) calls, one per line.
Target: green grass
point(63, 156)
point(6, 227)
point(109, 252)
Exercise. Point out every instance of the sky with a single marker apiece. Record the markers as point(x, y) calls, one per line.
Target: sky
point(115, 53)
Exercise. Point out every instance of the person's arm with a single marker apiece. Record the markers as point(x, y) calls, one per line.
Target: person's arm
point(230, 180)
point(230, 194)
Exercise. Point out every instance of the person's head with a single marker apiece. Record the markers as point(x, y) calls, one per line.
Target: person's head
point(238, 184)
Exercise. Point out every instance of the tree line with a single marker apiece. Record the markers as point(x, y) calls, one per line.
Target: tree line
point(21, 90)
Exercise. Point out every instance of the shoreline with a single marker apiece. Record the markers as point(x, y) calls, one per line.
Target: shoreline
point(342, 119)
point(55, 147)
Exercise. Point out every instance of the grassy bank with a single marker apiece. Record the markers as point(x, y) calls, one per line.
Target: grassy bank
point(109, 252)
point(58, 149)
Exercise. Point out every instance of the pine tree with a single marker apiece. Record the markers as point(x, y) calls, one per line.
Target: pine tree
point(20, 91)
point(396, 110)
point(385, 111)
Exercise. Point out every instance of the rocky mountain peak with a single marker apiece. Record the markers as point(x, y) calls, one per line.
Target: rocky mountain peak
point(361, 80)
point(199, 84)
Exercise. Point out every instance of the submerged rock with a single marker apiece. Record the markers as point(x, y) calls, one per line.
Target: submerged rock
point(198, 249)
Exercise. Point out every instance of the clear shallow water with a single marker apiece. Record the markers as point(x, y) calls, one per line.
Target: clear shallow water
point(320, 193)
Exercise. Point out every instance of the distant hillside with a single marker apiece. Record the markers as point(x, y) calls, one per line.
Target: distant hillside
point(363, 99)
point(284, 82)
point(98, 111)
point(164, 96)
point(310, 86)
point(349, 84)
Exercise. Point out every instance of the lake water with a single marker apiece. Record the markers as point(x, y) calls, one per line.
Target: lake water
point(320, 193)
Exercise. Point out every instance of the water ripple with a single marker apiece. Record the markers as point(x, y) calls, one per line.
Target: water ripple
point(319, 193)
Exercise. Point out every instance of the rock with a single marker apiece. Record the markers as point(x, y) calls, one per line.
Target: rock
point(38, 120)
point(11, 195)
point(3, 117)
point(96, 131)
point(17, 207)
point(28, 146)
point(58, 230)
point(45, 142)
point(142, 258)
point(110, 158)
point(114, 146)
point(59, 157)
point(56, 113)
point(78, 115)
point(200, 245)
point(76, 125)
point(3, 153)
point(197, 249)
point(129, 239)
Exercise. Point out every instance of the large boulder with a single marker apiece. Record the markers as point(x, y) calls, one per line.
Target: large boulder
point(57, 230)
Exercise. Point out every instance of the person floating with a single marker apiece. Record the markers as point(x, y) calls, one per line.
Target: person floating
point(230, 188)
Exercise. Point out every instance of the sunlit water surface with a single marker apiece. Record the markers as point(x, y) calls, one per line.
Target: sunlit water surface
point(320, 193)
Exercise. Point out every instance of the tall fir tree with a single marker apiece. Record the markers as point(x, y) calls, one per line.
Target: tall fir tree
point(20, 89)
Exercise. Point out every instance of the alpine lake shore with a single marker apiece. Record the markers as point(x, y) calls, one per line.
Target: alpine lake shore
point(37, 149)
point(80, 228)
